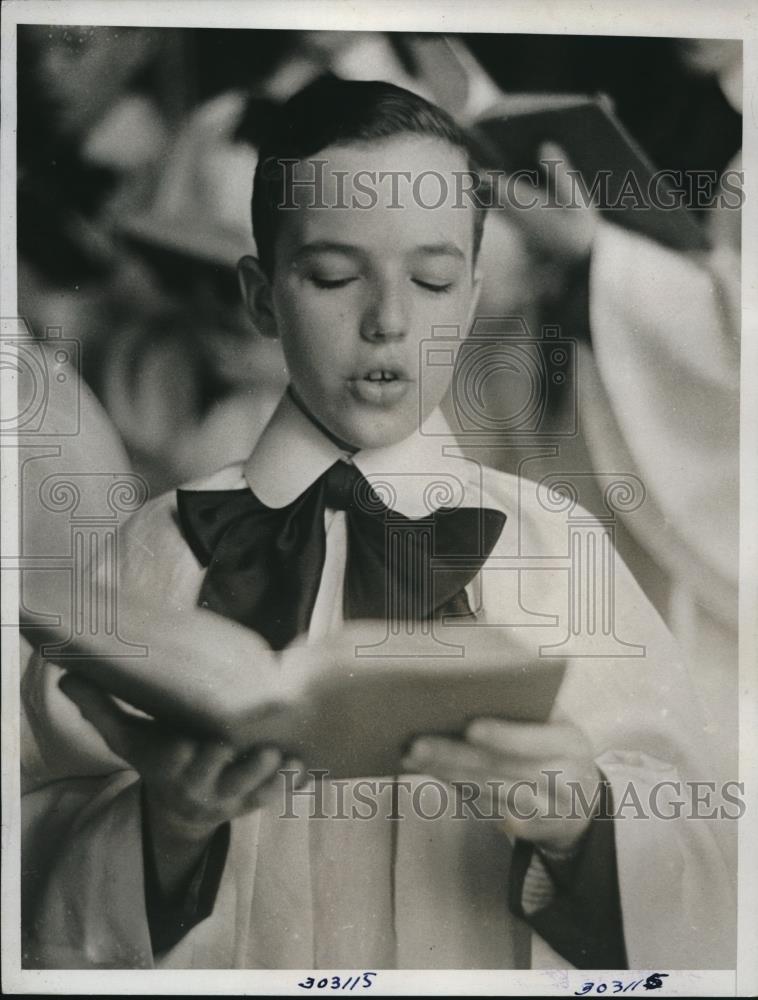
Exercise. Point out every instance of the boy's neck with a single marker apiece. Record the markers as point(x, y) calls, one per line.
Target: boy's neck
point(343, 445)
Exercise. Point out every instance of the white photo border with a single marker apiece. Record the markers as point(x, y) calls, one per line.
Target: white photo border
point(674, 18)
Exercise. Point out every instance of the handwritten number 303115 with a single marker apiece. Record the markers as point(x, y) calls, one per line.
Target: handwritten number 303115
point(339, 983)
point(653, 982)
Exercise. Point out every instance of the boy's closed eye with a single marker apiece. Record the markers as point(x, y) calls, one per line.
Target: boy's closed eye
point(437, 285)
point(332, 282)
point(428, 284)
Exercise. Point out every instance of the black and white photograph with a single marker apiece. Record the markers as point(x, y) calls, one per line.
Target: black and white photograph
point(379, 533)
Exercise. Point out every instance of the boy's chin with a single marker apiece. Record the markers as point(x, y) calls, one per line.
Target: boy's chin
point(375, 432)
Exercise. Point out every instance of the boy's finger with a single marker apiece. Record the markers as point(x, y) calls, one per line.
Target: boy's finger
point(529, 741)
point(126, 735)
point(279, 784)
point(445, 758)
point(249, 772)
point(302, 775)
point(208, 761)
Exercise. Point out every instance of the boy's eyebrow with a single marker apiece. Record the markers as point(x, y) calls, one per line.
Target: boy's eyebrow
point(444, 249)
point(326, 246)
point(441, 249)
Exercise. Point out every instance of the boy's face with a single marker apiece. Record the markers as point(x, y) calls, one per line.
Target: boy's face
point(356, 291)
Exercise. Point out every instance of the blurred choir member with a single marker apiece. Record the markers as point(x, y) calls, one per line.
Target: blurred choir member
point(658, 397)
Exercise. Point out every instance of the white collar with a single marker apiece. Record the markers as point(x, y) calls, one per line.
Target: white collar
point(414, 476)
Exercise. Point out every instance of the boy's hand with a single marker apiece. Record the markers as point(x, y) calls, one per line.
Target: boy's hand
point(561, 229)
point(506, 753)
point(191, 786)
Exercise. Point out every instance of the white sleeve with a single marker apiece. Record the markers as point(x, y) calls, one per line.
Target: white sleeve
point(84, 903)
point(665, 349)
point(675, 868)
point(632, 696)
point(84, 899)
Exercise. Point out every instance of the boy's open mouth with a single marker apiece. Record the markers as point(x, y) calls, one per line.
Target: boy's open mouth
point(380, 386)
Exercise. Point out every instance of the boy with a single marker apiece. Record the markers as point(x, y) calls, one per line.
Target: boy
point(181, 853)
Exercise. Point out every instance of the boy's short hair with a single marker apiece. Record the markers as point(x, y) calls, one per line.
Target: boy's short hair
point(331, 111)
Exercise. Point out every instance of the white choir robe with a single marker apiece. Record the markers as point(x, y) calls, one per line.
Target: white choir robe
point(311, 893)
point(659, 397)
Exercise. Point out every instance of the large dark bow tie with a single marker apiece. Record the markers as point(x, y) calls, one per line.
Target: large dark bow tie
point(265, 565)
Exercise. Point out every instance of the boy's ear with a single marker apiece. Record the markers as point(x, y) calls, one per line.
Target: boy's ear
point(256, 294)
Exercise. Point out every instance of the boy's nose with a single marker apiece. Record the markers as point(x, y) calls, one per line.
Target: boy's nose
point(385, 317)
